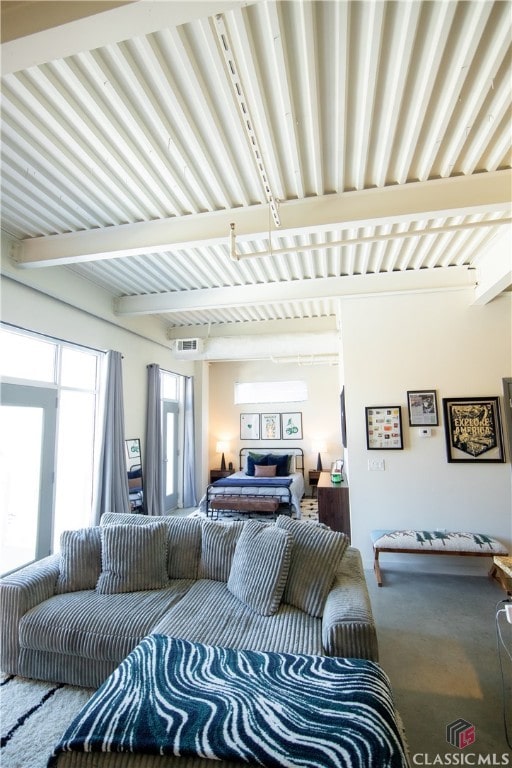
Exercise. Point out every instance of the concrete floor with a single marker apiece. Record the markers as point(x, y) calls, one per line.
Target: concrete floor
point(438, 644)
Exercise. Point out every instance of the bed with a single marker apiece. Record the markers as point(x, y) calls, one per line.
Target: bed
point(246, 493)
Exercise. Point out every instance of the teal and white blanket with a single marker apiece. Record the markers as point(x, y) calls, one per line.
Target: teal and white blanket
point(174, 697)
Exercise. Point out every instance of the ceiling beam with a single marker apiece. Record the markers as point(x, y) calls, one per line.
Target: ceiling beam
point(494, 268)
point(462, 195)
point(104, 28)
point(322, 288)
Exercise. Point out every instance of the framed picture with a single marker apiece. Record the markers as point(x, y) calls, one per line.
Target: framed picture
point(384, 428)
point(132, 447)
point(249, 426)
point(473, 429)
point(422, 405)
point(270, 426)
point(291, 426)
point(343, 418)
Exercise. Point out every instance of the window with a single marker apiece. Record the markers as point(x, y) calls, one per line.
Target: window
point(49, 403)
point(270, 392)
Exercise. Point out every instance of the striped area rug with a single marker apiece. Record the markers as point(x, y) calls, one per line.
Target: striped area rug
point(33, 717)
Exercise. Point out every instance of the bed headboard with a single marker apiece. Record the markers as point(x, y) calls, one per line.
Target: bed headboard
point(293, 451)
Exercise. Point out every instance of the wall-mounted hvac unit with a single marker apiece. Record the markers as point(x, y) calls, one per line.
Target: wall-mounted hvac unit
point(188, 346)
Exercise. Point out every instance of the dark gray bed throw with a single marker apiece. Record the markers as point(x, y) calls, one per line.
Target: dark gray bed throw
point(174, 697)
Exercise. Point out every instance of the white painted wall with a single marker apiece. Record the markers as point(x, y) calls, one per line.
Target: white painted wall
point(320, 413)
point(392, 344)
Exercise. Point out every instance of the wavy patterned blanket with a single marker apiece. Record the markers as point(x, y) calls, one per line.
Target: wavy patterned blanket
point(173, 697)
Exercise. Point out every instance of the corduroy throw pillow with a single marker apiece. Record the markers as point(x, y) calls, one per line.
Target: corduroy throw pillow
point(218, 547)
point(134, 557)
point(80, 560)
point(260, 566)
point(316, 553)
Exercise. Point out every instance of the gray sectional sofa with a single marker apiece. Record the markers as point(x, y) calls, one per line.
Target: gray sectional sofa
point(289, 586)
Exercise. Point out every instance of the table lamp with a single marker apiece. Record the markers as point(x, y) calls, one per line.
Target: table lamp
point(222, 448)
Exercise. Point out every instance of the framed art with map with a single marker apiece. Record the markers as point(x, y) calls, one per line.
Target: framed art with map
point(473, 429)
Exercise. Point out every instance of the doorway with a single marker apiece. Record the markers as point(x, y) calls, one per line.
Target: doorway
point(28, 418)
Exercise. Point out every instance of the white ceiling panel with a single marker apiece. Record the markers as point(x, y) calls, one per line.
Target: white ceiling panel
point(245, 105)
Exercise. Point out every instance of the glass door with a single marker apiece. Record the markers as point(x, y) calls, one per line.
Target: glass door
point(28, 418)
point(171, 454)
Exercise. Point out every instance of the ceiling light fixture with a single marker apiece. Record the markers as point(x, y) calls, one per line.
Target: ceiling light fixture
point(232, 243)
point(247, 122)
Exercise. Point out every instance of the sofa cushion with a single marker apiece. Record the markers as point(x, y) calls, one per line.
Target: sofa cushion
point(217, 548)
point(134, 558)
point(260, 566)
point(183, 545)
point(209, 613)
point(80, 559)
point(316, 553)
point(96, 626)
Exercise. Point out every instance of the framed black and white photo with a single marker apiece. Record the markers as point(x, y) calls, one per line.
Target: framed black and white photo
point(384, 428)
point(291, 426)
point(249, 426)
point(270, 426)
point(422, 406)
point(473, 429)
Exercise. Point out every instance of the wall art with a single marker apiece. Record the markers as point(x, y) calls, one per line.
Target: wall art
point(384, 427)
point(270, 426)
point(249, 426)
point(473, 429)
point(422, 405)
point(291, 424)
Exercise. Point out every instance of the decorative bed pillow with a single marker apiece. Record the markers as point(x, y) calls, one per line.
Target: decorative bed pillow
point(262, 471)
point(282, 463)
point(80, 559)
point(252, 462)
point(260, 566)
point(316, 553)
point(134, 557)
point(218, 547)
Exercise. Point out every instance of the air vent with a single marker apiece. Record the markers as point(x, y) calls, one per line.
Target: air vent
point(188, 346)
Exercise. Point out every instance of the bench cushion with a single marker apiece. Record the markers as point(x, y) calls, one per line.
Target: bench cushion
point(437, 541)
point(241, 504)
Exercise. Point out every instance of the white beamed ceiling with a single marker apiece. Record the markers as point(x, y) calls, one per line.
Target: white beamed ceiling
point(382, 130)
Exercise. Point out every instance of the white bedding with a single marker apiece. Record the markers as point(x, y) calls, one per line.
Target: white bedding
point(296, 488)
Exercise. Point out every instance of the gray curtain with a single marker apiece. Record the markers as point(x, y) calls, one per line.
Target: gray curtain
point(111, 487)
point(153, 461)
point(189, 463)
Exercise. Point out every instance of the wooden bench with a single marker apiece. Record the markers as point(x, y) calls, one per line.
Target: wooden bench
point(435, 543)
point(249, 504)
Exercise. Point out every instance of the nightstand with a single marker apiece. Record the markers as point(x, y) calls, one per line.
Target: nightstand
point(218, 474)
point(314, 476)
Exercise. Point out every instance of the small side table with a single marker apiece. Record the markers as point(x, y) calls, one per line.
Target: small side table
point(502, 571)
point(314, 476)
point(218, 474)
